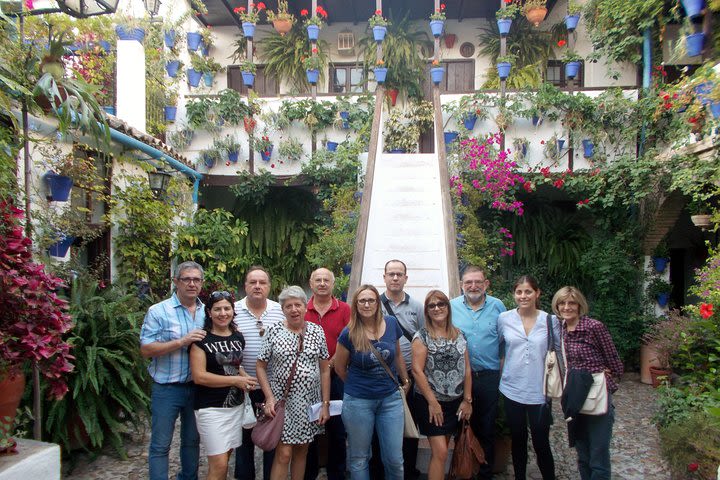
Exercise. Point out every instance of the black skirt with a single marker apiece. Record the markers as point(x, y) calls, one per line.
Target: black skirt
point(450, 418)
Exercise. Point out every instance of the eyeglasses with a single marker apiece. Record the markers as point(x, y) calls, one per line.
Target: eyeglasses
point(438, 305)
point(189, 280)
point(367, 301)
point(221, 295)
point(261, 327)
point(474, 282)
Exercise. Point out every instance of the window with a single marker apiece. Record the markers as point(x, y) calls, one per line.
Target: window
point(346, 79)
point(459, 78)
point(555, 74)
point(264, 86)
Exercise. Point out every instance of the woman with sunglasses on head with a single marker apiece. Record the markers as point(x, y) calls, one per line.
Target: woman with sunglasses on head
point(294, 353)
point(372, 401)
point(221, 382)
point(523, 334)
point(441, 367)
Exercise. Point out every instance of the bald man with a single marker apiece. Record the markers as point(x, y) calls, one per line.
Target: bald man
point(332, 315)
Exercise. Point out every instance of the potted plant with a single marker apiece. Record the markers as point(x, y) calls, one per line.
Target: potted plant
point(282, 20)
point(658, 289)
point(661, 256)
point(210, 156)
point(379, 25)
point(247, 70)
point(199, 113)
point(572, 60)
point(573, 16)
point(505, 16)
point(208, 40)
point(437, 21)
point(520, 145)
point(207, 66)
point(437, 72)
point(665, 337)
point(312, 65)
point(230, 107)
point(249, 19)
point(313, 23)
point(291, 149)
point(535, 11)
point(231, 146)
point(263, 145)
point(503, 64)
point(171, 100)
point(130, 28)
point(380, 71)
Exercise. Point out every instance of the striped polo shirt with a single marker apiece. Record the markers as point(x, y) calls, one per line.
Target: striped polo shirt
point(250, 327)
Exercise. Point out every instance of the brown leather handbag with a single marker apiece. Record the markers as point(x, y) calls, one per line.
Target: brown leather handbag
point(468, 454)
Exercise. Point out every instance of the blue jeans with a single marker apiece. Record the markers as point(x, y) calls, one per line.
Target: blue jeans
point(167, 402)
point(592, 443)
point(361, 417)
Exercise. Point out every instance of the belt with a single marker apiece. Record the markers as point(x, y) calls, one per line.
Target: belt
point(176, 383)
point(478, 373)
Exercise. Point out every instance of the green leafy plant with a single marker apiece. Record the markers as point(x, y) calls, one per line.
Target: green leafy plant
point(231, 107)
point(313, 62)
point(229, 144)
point(571, 56)
point(283, 56)
point(247, 66)
point(281, 14)
point(377, 20)
point(291, 148)
point(200, 113)
point(692, 441)
point(508, 11)
point(315, 115)
point(439, 13)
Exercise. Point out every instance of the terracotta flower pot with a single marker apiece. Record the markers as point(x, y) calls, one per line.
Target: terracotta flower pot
point(282, 26)
point(659, 375)
point(450, 39)
point(536, 15)
point(12, 387)
point(393, 93)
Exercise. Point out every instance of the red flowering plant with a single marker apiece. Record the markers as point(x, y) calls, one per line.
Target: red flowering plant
point(34, 318)
point(439, 13)
point(252, 16)
point(378, 20)
point(318, 19)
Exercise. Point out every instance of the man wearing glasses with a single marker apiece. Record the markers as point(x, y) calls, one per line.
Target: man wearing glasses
point(169, 328)
point(411, 316)
point(476, 314)
point(254, 314)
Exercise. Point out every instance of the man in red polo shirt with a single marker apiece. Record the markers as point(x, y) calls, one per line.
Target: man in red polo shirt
point(332, 315)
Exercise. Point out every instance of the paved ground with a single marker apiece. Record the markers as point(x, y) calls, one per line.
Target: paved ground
point(635, 446)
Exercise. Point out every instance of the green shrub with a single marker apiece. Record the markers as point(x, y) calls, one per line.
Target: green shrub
point(695, 439)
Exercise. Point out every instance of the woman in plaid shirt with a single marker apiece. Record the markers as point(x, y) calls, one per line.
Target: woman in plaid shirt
point(589, 346)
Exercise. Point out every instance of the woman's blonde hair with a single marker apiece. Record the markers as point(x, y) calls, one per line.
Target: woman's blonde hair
point(450, 330)
point(570, 293)
point(356, 327)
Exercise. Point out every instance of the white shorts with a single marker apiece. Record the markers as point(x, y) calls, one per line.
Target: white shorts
point(220, 428)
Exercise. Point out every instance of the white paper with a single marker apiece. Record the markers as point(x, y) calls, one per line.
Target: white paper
point(314, 410)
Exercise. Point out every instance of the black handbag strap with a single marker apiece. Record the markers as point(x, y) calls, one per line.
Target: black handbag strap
point(385, 365)
point(386, 303)
point(294, 365)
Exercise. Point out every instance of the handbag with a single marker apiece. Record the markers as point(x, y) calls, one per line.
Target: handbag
point(468, 454)
point(266, 434)
point(553, 383)
point(410, 429)
point(596, 402)
point(249, 420)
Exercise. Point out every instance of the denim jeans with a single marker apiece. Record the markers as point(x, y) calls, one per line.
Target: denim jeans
point(361, 417)
point(336, 440)
point(485, 393)
point(539, 418)
point(592, 443)
point(167, 402)
point(245, 453)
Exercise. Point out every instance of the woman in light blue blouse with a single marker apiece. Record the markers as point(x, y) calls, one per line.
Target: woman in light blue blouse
point(523, 334)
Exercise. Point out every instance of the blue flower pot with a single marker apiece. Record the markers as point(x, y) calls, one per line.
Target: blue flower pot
point(560, 143)
point(346, 269)
point(60, 248)
point(109, 109)
point(204, 49)
point(436, 74)
point(331, 146)
point(703, 90)
point(660, 264)
point(694, 44)
point(523, 150)
point(571, 22)
point(313, 32)
point(170, 37)
point(504, 25)
point(193, 77)
point(137, 34)
point(233, 156)
point(693, 8)
point(572, 69)
point(379, 33)
point(208, 79)
point(105, 45)
point(715, 109)
point(248, 29)
point(662, 299)
point(450, 137)
point(536, 120)
point(170, 113)
point(312, 76)
point(172, 67)
point(436, 27)
point(248, 78)
point(588, 148)
point(209, 161)
point(503, 69)
point(345, 116)
point(59, 186)
point(397, 150)
point(469, 121)
point(194, 39)
point(380, 74)
point(266, 155)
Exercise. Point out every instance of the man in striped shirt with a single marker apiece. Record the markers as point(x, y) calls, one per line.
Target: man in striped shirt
point(254, 314)
point(169, 328)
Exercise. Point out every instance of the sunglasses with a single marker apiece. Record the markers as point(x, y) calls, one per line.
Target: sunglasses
point(221, 295)
point(438, 305)
point(261, 327)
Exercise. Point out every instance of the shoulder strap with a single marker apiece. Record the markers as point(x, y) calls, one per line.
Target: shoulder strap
point(382, 362)
point(550, 336)
point(294, 365)
point(390, 311)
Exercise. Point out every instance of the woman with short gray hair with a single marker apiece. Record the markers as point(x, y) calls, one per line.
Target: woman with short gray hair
point(294, 355)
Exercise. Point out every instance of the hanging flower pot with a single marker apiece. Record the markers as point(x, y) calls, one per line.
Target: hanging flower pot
point(345, 116)
point(109, 109)
point(233, 156)
point(694, 44)
point(702, 91)
point(193, 77)
point(346, 269)
point(172, 67)
point(536, 120)
point(170, 36)
point(693, 8)
point(715, 109)
point(380, 74)
point(535, 15)
point(560, 144)
point(248, 29)
point(194, 39)
point(572, 69)
point(660, 263)
point(137, 34)
point(701, 221)
point(571, 22)
point(504, 25)
point(204, 49)
point(393, 94)
point(105, 45)
point(266, 155)
point(248, 78)
point(59, 186)
point(313, 32)
point(170, 113)
point(450, 137)
point(331, 146)
point(588, 148)
point(503, 69)
point(437, 74)
point(208, 78)
point(662, 299)
point(60, 248)
point(436, 27)
point(450, 39)
point(379, 32)
point(282, 26)
point(469, 121)
point(312, 76)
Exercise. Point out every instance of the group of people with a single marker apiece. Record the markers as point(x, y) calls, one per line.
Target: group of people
point(453, 359)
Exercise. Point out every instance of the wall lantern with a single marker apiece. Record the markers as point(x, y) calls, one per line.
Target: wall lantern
point(159, 181)
point(152, 7)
